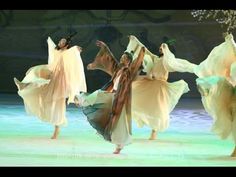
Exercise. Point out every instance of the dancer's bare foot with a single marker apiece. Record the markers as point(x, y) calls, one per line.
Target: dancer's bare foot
point(233, 153)
point(117, 151)
point(77, 102)
point(56, 133)
point(54, 136)
point(153, 135)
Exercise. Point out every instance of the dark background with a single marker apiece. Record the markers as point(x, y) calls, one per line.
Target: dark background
point(23, 38)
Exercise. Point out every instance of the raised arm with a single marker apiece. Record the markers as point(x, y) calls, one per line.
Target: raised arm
point(135, 45)
point(137, 62)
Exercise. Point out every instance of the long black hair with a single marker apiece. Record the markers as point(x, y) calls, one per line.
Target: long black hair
point(68, 40)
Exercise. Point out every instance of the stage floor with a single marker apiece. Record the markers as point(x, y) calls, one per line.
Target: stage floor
point(25, 140)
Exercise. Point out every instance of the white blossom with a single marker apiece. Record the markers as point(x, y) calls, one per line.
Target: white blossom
point(227, 18)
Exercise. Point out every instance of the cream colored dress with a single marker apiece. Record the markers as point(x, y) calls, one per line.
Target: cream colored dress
point(120, 135)
point(219, 100)
point(97, 105)
point(153, 98)
point(220, 62)
point(216, 83)
point(46, 87)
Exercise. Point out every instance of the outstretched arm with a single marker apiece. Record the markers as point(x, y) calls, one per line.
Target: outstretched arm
point(173, 64)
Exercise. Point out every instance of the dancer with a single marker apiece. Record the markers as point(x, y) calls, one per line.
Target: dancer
point(45, 88)
point(153, 97)
point(216, 84)
point(109, 109)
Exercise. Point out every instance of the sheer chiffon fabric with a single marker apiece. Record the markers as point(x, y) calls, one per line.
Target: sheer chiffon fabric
point(219, 100)
point(46, 87)
point(97, 107)
point(153, 98)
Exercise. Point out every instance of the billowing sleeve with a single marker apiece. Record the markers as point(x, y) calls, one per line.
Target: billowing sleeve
point(173, 64)
point(74, 73)
point(147, 64)
point(219, 60)
point(135, 45)
point(51, 47)
point(104, 60)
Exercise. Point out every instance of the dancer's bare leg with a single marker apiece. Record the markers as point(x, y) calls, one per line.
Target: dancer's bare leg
point(56, 132)
point(153, 135)
point(118, 149)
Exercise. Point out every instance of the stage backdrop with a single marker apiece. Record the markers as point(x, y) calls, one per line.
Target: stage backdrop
point(23, 38)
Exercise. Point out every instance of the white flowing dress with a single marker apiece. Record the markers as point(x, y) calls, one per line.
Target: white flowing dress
point(45, 88)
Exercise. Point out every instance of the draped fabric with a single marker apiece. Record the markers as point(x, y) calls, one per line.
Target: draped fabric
point(219, 61)
point(219, 100)
point(118, 118)
point(216, 83)
point(153, 98)
point(45, 88)
point(171, 63)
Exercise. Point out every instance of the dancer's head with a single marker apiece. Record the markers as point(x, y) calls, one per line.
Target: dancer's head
point(126, 58)
point(160, 51)
point(65, 42)
point(166, 42)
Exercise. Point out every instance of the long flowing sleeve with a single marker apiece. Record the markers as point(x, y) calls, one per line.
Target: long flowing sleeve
point(219, 60)
point(104, 60)
point(147, 64)
point(74, 73)
point(135, 45)
point(173, 64)
point(51, 47)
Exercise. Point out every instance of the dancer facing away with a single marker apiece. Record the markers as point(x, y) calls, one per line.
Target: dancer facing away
point(45, 88)
point(153, 97)
point(216, 84)
point(108, 109)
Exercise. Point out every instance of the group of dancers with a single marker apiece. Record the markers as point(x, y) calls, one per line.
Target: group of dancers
point(146, 98)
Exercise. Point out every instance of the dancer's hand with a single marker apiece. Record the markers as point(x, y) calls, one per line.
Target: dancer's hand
point(100, 43)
